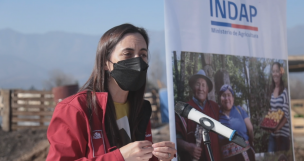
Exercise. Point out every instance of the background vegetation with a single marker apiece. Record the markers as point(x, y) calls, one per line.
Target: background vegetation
point(249, 77)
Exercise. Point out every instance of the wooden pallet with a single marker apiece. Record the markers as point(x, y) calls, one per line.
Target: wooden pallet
point(34, 109)
point(27, 109)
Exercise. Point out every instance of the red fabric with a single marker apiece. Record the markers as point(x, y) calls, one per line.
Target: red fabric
point(211, 109)
point(69, 132)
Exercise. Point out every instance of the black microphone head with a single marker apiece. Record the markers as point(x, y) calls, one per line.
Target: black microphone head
point(182, 109)
point(179, 107)
point(239, 140)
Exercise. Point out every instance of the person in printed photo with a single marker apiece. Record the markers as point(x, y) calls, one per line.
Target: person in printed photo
point(235, 118)
point(279, 140)
point(189, 141)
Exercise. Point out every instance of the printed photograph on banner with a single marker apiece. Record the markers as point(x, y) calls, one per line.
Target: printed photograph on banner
point(246, 94)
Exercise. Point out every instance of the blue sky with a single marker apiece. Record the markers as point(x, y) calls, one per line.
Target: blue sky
point(88, 17)
point(95, 17)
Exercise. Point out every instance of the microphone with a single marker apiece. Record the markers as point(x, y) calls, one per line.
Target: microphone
point(187, 111)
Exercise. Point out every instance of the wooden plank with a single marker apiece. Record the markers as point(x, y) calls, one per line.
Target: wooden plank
point(29, 113)
point(6, 118)
point(299, 110)
point(297, 101)
point(149, 99)
point(14, 119)
point(154, 108)
point(159, 117)
point(148, 94)
point(15, 105)
point(41, 109)
point(16, 127)
point(32, 99)
point(31, 92)
point(297, 123)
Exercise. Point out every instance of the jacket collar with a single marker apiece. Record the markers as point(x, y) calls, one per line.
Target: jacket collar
point(193, 104)
point(101, 98)
point(198, 103)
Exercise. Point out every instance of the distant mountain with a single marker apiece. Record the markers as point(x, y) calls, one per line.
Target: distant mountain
point(19, 73)
point(295, 40)
point(28, 58)
point(53, 49)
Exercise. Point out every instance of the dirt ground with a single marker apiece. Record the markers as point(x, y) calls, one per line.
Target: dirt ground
point(299, 146)
point(23, 145)
point(32, 145)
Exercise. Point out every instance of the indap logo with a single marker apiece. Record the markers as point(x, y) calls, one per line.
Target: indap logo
point(235, 12)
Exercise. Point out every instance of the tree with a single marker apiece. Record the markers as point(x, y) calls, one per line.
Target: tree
point(296, 88)
point(249, 77)
point(156, 69)
point(58, 78)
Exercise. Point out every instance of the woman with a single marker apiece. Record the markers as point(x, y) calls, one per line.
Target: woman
point(189, 144)
point(235, 118)
point(108, 119)
point(279, 140)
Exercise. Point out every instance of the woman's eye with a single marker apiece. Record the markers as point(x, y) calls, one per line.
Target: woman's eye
point(128, 54)
point(143, 55)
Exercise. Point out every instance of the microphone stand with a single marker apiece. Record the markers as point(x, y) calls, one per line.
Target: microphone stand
point(205, 134)
point(207, 142)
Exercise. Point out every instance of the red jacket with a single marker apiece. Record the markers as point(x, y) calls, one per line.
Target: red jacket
point(69, 132)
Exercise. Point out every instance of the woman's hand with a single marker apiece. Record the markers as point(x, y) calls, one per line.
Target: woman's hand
point(138, 150)
point(194, 151)
point(164, 150)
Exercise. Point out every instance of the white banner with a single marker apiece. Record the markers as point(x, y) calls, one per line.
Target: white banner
point(212, 26)
point(239, 45)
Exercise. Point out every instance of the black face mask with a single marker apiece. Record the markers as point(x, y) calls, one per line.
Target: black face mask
point(130, 74)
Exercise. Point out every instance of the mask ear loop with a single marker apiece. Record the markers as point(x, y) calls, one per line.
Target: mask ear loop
point(110, 61)
point(108, 71)
point(114, 63)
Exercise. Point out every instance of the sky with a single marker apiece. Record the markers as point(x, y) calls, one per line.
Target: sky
point(87, 17)
point(95, 17)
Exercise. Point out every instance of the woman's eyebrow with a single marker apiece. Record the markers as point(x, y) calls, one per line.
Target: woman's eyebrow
point(131, 49)
point(143, 49)
point(128, 49)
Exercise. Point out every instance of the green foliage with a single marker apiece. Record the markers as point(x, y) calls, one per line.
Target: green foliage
point(189, 69)
point(249, 77)
point(298, 116)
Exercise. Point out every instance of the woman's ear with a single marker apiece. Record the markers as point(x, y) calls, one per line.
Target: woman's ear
point(106, 66)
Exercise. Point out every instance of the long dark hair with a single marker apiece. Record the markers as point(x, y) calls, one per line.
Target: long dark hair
point(282, 86)
point(98, 82)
